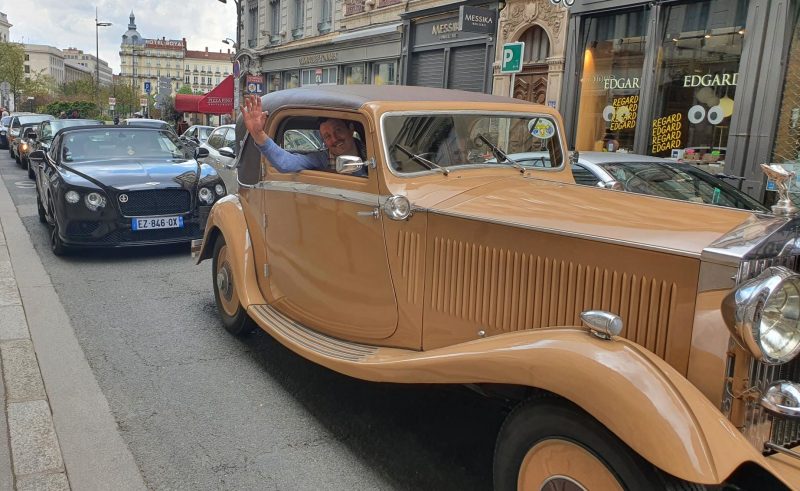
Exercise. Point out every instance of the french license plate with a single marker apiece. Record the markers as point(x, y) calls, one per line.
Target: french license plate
point(156, 222)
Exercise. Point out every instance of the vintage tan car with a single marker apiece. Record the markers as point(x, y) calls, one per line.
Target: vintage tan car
point(647, 343)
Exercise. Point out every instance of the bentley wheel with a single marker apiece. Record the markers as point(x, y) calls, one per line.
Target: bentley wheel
point(56, 244)
point(40, 209)
point(234, 317)
point(550, 444)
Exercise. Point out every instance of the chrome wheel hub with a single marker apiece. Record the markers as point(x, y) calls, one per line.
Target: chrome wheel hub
point(224, 282)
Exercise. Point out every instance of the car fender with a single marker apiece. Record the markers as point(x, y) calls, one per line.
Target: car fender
point(227, 219)
point(639, 397)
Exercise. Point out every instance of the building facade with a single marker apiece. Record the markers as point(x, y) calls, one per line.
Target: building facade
point(5, 28)
point(542, 26)
point(90, 62)
point(74, 71)
point(45, 60)
point(701, 81)
point(204, 70)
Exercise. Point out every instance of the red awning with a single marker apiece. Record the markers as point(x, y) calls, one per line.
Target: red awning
point(187, 103)
point(219, 100)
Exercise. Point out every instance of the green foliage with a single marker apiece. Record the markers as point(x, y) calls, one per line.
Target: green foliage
point(185, 89)
point(12, 70)
point(85, 109)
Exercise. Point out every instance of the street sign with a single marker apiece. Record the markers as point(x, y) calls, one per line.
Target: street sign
point(477, 19)
point(255, 84)
point(143, 101)
point(511, 62)
point(147, 87)
point(112, 101)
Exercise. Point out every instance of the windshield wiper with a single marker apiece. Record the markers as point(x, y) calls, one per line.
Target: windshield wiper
point(422, 160)
point(500, 155)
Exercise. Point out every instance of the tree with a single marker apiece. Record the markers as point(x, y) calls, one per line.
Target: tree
point(185, 89)
point(12, 67)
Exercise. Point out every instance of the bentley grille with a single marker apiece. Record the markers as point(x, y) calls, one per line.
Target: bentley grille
point(761, 427)
point(155, 202)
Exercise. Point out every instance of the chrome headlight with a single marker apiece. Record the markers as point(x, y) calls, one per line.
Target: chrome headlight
point(94, 201)
point(397, 207)
point(206, 196)
point(72, 197)
point(764, 315)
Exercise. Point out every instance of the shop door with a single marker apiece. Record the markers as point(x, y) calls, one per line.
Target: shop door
point(467, 68)
point(531, 84)
point(427, 69)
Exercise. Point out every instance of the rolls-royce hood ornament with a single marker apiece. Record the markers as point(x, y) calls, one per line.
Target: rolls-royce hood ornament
point(783, 179)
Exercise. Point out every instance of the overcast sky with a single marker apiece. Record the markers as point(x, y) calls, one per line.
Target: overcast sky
point(68, 23)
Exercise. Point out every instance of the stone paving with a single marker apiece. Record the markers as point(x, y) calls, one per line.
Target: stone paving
point(35, 458)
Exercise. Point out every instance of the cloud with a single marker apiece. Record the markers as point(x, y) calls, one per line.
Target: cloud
point(65, 24)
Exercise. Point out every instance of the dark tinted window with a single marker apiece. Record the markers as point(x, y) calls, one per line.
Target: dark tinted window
point(583, 176)
point(230, 139)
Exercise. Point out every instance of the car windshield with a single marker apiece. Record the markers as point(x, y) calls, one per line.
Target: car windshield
point(124, 144)
point(34, 118)
point(148, 124)
point(427, 142)
point(51, 128)
point(679, 181)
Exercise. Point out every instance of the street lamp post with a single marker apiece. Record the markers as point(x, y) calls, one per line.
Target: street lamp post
point(97, 26)
point(237, 47)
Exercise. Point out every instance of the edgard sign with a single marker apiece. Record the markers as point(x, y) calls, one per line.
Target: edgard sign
point(709, 80)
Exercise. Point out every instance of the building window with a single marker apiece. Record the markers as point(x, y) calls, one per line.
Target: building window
point(537, 45)
point(319, 76)
point(701, 46)
point(324, 25)
point(27, 57)
point(291, 79)
point(273, 82)
point(27, 68)
point(252, 28)
point(275, 21)
point(354, 74)
point(299, 18)
point(613, 60)
point(383, 73)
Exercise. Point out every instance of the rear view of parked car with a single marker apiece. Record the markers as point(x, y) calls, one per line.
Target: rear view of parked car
point(14, 128)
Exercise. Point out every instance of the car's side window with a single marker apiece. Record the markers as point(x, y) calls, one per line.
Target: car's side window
point(230, 139)
point(302, 140)
point(583, 176)
point(54, 149)
point(216, 139)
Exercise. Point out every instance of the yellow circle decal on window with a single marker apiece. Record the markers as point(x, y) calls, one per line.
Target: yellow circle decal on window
point(542, 128)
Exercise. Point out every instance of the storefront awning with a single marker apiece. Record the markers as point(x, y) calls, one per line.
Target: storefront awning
point(219, 100)
point(187, 103)
point(368, 33)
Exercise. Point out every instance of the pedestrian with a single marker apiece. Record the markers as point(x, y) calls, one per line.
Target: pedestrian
point(62, 115)
point(4, 113)
point(116, 119)
point(74, 114)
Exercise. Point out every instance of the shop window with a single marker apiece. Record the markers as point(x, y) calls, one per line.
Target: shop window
point(273, 82)
point(537, 45)
point(383, 73)
point(291, 79)
point(354, 74)
point(613, 60)
point(701, 45)
point(319, 76)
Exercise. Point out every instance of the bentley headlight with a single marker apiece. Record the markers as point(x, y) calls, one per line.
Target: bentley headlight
point(219, 189)
point(206, 196)
point(24, 147)
point(764, 315)
point(72, 197)
point(94, 201)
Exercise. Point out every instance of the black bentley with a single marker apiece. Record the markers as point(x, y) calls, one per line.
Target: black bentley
point(107, 186)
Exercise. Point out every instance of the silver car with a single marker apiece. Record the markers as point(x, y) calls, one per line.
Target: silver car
point(221, 146)
point(658, 177)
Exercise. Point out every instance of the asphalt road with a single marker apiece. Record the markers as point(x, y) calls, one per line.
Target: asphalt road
point(200, 409)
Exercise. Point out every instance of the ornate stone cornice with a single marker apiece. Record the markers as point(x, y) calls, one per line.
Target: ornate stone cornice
point(525, 12)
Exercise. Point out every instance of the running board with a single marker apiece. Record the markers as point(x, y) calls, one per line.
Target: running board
point(311, 340)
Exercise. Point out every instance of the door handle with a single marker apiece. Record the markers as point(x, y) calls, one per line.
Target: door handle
point(374, 213)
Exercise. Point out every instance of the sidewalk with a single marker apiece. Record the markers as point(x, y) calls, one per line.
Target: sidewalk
point(57, 431)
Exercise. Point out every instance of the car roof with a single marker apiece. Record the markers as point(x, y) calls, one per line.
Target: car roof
point(355, 96)
point(225, 126)
point(145, 120)
point(600, 158)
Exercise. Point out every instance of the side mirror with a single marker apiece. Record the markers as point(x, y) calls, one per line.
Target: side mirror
point(227, 152)
point(348, 164)
point(200, 153)
point(36, 156)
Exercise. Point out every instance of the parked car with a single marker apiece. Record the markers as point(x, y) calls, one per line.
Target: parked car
point(27, 135)
point(148, 123)
point(14, 124)
point(117, 186)
point(4, 123)
point(197, 134)
point(221, 145)
point(48, 129)
point(644, 343)
point(658, 177)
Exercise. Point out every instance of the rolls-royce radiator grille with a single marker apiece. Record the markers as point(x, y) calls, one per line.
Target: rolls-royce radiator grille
point(761, 427)
point(154, 202)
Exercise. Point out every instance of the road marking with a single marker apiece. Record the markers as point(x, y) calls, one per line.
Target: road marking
point(25, 184)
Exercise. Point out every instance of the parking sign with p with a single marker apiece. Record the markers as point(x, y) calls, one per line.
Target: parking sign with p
point(512, 57)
